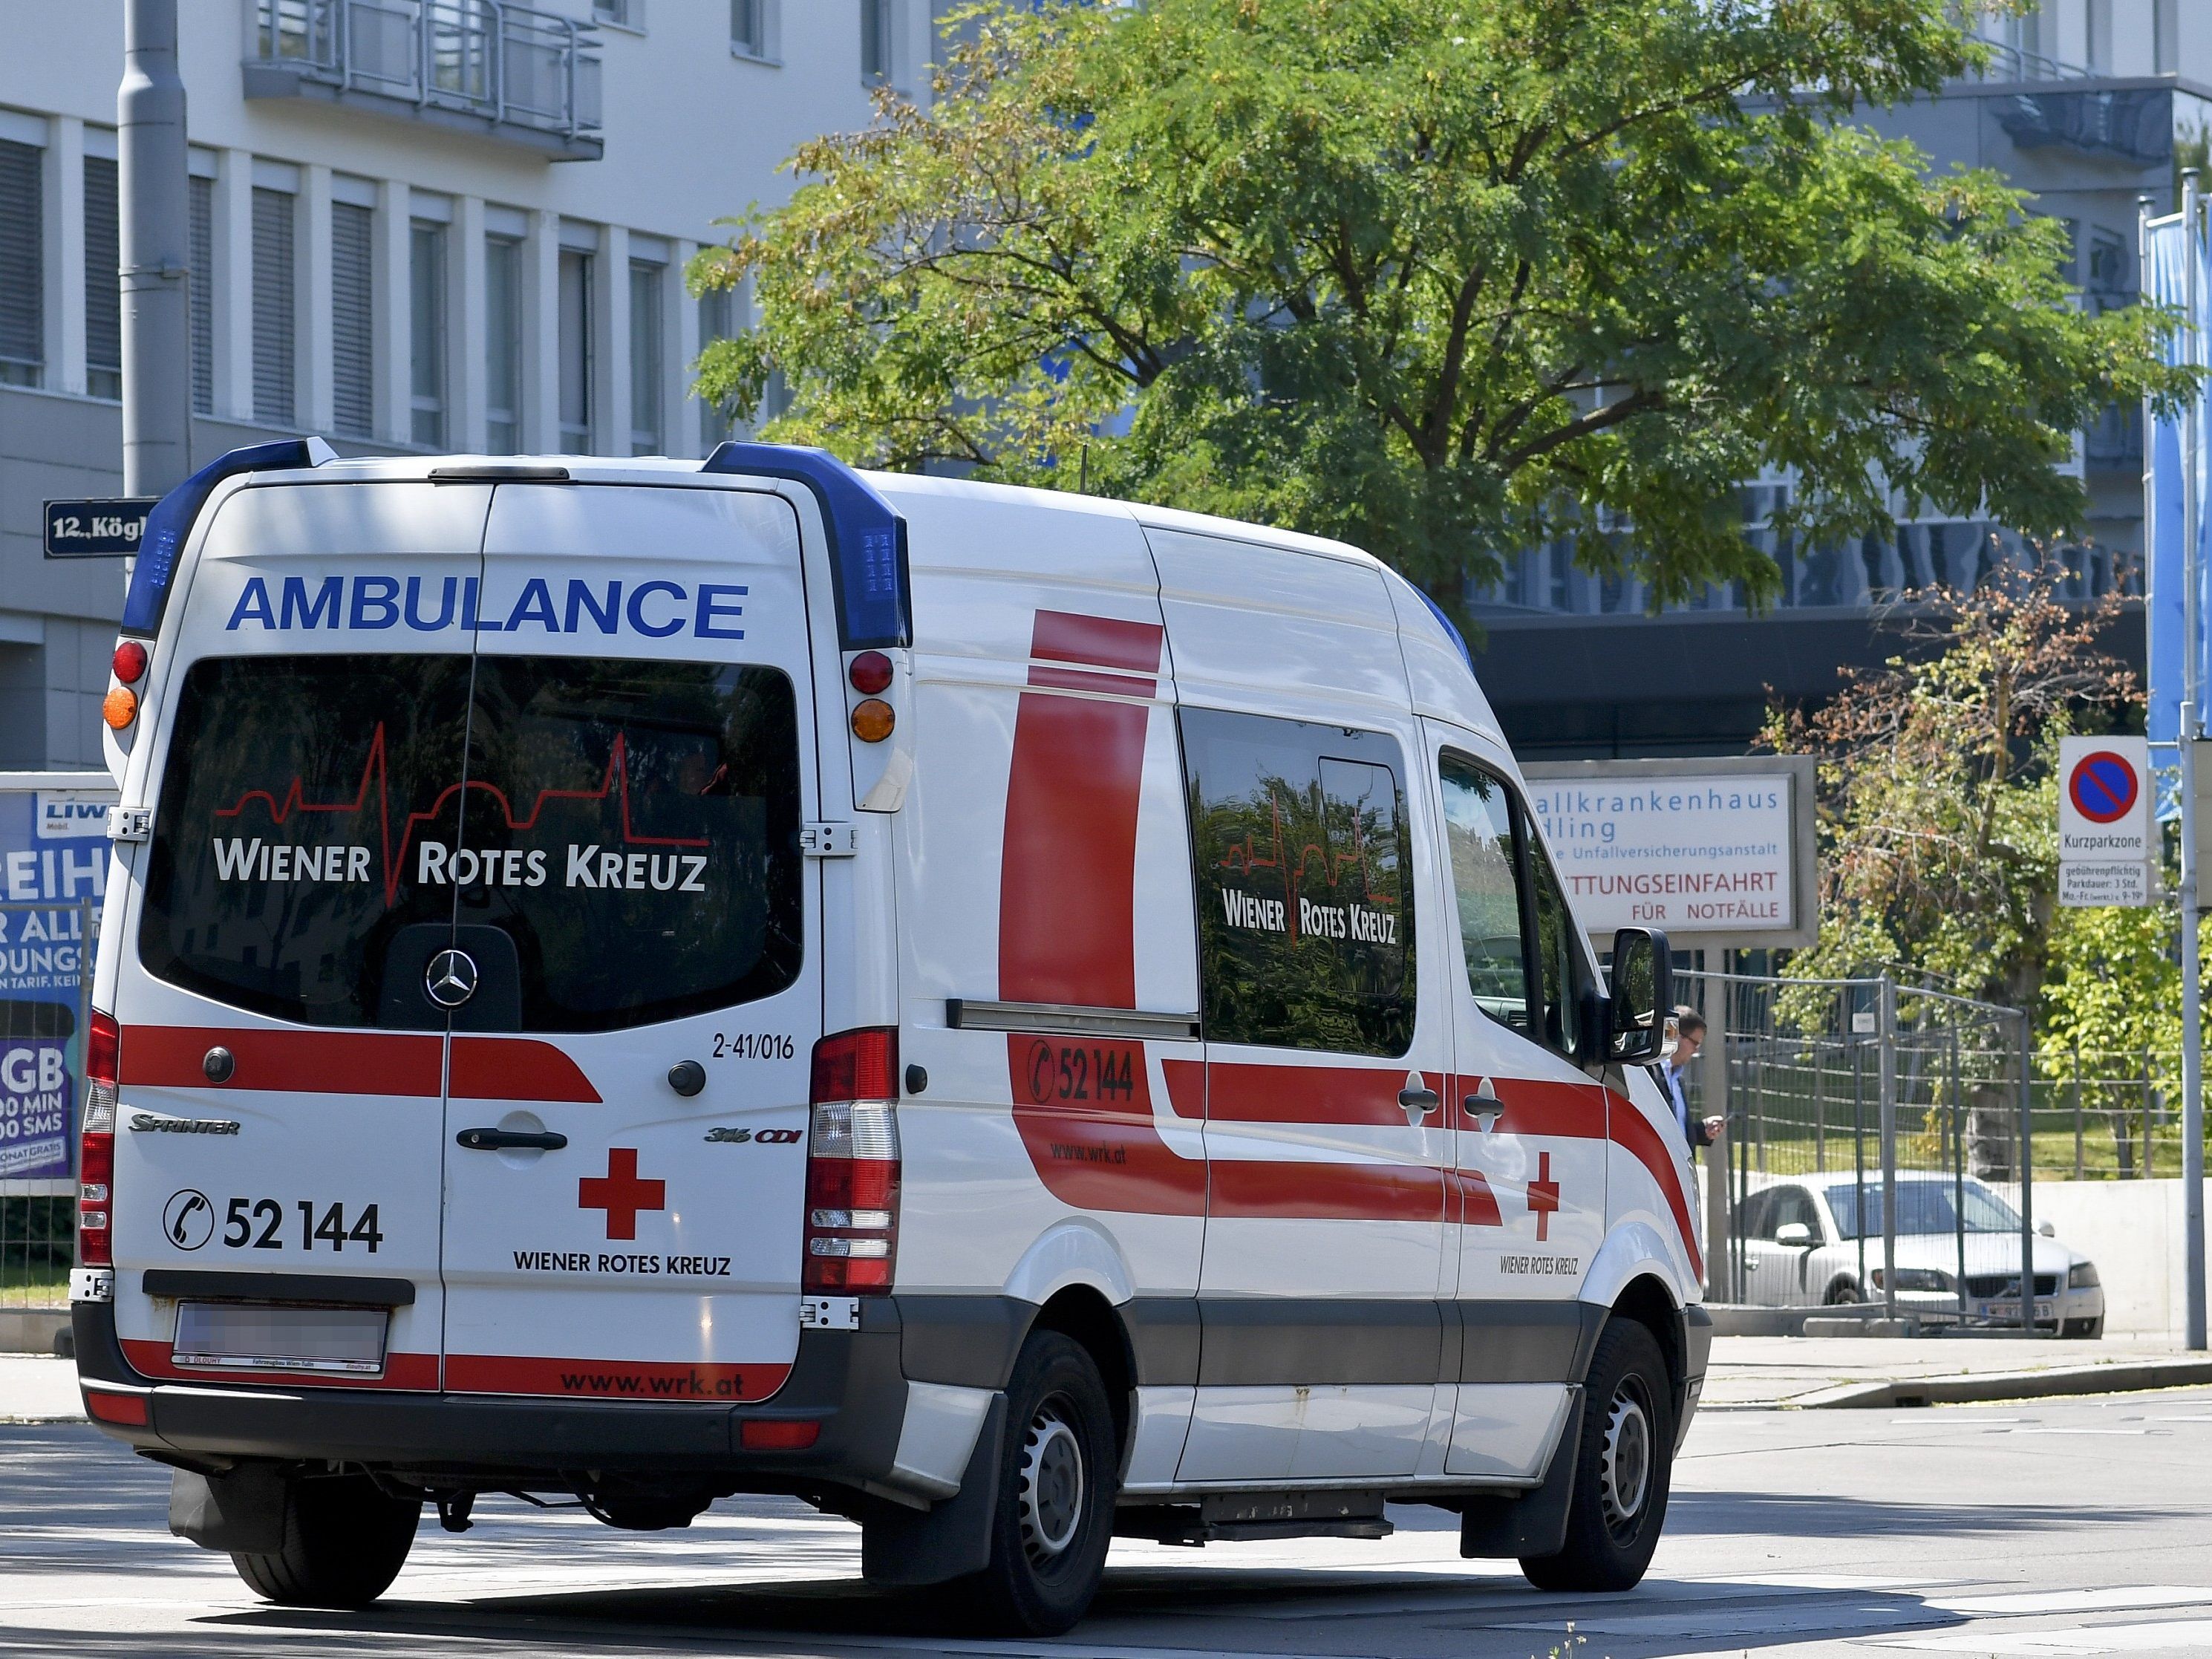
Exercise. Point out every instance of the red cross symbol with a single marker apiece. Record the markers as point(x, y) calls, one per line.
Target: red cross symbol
point(1543, 1195)
point(621, 1194)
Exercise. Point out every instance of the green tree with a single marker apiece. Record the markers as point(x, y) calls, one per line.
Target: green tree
point(1938, 793)
point(1439, 277)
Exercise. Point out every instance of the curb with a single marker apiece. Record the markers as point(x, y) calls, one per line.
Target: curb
point(1984, 1388)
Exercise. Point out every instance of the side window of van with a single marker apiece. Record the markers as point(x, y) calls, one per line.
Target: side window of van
point(1558, 955)
point(1485, 864)
point(1304, 879)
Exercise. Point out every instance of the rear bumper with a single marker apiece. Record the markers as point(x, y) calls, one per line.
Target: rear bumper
point(852, 1383)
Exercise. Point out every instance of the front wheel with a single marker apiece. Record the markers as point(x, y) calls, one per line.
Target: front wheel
point(345, 1542)
point(1622, 1471)
point(1053, 1514)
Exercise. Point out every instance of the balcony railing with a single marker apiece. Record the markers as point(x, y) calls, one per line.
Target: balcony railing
point(522, 73)
point(2011, 62)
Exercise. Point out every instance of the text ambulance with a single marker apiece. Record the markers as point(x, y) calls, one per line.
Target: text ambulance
point(1020, 1019)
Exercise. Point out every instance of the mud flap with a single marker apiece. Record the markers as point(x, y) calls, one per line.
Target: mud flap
point(1535, 1522)
point(242, 1511)
point(952, 1538)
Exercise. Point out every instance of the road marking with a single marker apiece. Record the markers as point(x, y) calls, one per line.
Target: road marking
point(1724, 1623)
point(2174, 1636)
point(2114, 1599)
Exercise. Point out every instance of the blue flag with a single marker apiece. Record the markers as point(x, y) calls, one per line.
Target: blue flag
point(2166, 281)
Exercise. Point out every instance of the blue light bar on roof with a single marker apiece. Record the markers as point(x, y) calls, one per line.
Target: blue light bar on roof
point(867, 539)
point(171, 521)
point(1451, 630)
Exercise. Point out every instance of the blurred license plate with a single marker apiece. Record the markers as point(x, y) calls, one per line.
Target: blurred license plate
point(2011, 1309)
point(244, 1337)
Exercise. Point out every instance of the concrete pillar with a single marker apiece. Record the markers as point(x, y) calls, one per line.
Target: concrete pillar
point(541, 334)
point(231, 306)
point(611, 344)
point(467, 325)
point(315, 401)
point(390, 297)
point(64, 254)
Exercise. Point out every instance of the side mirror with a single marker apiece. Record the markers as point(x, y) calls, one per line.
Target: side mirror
point(1793, 1234)
point(1643, 996)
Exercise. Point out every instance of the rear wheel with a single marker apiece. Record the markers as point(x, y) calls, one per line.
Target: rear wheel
point(1053, 1516)
point(1623, 1471)
point(345, 1542)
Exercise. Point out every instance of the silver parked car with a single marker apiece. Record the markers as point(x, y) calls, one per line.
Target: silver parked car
point(1802, 1246)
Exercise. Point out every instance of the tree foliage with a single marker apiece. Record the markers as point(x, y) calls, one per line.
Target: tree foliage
point(1442, 277)
point(1938, 793)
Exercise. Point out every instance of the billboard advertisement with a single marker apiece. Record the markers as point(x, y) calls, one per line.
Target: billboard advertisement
point(53, 871)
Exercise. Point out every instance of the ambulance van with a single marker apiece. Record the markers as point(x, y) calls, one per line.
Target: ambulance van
point(1019, 1019)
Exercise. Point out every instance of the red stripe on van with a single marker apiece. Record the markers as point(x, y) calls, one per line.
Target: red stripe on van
point(1633, 1131)
point(1095, 642)
point(299, 1062)
point(1257, 1190)
point(517, 1068)
point(416, 1372)
point(1244, 1093)
point(1085, 1112)
point(1574, 1111)
point(665, 1382)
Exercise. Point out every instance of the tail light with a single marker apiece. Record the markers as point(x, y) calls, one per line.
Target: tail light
point(96, 1164)
point(852, 1165)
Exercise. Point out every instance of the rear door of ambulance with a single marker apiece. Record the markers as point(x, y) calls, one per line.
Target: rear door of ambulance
point(277, 1148)
point(632, 905)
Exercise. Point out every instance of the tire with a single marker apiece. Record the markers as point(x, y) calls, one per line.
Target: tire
point(1622, 1471)
point(1842, 1293)
point(1053, 1517)
point(345, 1542)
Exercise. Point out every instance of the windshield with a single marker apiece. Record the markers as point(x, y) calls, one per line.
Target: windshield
point(629, 850)
point(1923, 1207)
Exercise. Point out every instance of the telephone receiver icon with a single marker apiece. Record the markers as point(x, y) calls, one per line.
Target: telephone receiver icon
point(177, 1229)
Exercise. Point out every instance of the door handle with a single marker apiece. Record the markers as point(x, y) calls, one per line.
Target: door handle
point(1484, 1109)
point(1417, 1100)
point(501, 1140)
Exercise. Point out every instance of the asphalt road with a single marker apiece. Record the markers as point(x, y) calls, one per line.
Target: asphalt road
point(2074, 1527)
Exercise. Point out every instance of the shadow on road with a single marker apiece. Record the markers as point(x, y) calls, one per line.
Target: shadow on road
point(1806, 1515)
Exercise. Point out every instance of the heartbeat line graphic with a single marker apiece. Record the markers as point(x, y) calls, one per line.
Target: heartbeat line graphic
point(1247, 858)
point(375, 769)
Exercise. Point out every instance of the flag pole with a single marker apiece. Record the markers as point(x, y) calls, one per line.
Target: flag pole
point(2192, 698)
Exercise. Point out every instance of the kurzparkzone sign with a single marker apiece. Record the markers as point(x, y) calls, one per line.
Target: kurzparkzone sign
point(1714, 852)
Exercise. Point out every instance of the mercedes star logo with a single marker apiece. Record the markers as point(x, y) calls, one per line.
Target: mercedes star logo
point(451, 978)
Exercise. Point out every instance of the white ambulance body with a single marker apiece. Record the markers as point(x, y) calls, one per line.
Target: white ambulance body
point(1018, 1018)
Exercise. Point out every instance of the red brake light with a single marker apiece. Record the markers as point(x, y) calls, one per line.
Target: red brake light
point(96, 1164)
point(870, 672)
point(851, 1229)
point(130, 662)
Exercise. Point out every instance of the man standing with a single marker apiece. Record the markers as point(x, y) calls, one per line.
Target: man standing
point(1689, 1037)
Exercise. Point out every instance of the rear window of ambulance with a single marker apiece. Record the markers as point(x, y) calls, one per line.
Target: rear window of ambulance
point(631, 828)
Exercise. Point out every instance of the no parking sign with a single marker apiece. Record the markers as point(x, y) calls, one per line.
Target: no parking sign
point(2105, 848)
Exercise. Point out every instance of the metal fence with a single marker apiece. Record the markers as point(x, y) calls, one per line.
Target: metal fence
point(1876, 1149)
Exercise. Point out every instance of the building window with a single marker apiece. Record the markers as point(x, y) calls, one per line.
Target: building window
point(426, 334)
point(876, 36)
point(645, 283)
point(502, 345)
point(103, 289)
point(353, 319)
point(716, 307)
point(2166, 37)
point(576, 317)
point(623, 14)
point(2097, 28)
point(200, 206)
point(273, 380)
point(749, 27)
point(23, 267)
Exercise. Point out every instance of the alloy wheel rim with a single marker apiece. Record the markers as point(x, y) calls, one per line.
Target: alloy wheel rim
point(1625, 1462)
point(1052, 1490)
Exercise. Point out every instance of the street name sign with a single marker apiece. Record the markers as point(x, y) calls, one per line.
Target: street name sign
point(103, 528)
point(1717, 852)
point(2105, 845)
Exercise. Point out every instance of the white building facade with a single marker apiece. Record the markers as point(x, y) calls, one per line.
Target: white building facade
point(451, 225)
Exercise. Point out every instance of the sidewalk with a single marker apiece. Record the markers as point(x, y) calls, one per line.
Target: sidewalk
point(1759, 1373)
point(37, 1390)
